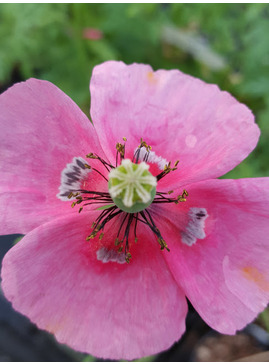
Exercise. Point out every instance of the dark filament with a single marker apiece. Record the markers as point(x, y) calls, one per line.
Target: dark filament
point(110, 210)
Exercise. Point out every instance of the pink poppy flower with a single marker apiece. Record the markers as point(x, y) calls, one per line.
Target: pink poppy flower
point(112, 282)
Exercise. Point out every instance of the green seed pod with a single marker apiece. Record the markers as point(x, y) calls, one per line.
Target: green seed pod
point(131, 186)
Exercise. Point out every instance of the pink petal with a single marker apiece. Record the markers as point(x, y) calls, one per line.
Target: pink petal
point(110, 310)
point(42, 129)
point(225, 275)
point(180, 116)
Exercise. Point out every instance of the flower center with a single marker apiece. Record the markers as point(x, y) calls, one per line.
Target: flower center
point(131, 186)
point(131, 190)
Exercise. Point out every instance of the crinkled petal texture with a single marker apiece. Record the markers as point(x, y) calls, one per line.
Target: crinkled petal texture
point(180, 116)
point(225, 275)
point(110, 310)
point(42, 130)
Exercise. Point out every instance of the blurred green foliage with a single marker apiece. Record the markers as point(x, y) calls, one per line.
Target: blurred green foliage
point(225, 44)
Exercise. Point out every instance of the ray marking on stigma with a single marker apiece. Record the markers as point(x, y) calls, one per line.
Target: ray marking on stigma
point(130, 178)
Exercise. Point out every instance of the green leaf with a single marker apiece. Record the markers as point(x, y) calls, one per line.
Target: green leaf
point(105, 207)
point(89, 358)
point(17, 240)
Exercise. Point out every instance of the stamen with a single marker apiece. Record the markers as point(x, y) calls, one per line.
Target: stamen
point(154, 228)
point(126, 234)
point(167, 169)
point(131, 190)
point(120, 151)
point(135, 227)
point(102, 220)
point(121, 225)
point(108, 166)
point(83, 196)
point(101, 174)
point(163, 199)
